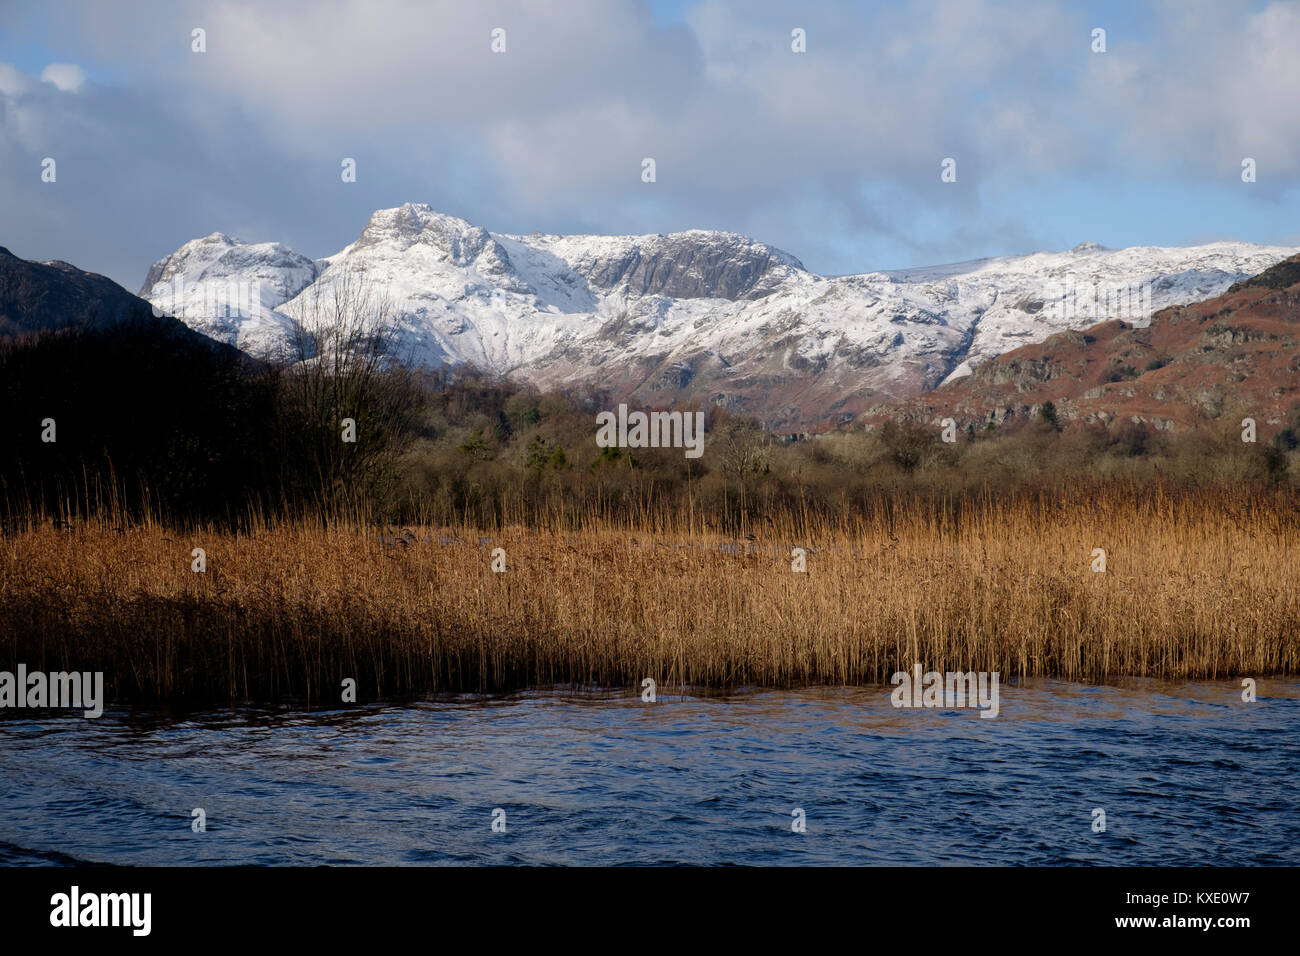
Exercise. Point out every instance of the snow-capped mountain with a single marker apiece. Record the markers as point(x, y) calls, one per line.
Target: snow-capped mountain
point(230, 290)
point(708, 314)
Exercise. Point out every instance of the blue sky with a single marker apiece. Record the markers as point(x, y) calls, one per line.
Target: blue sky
point(833, 155)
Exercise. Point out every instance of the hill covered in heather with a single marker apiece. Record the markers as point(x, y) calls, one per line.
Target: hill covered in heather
point(1203, 364)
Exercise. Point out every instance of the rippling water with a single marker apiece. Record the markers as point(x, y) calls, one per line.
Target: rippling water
point(1187, 774)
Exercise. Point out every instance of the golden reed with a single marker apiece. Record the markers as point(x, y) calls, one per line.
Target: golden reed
point(1198, 584)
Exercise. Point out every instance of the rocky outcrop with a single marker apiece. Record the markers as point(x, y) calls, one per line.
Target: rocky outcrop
point(691, 265)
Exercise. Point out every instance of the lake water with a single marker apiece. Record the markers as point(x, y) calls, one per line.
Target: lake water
point(1187, 774)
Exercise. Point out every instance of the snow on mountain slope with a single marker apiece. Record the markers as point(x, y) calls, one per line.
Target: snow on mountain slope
point(708, 314)
point(230, 290)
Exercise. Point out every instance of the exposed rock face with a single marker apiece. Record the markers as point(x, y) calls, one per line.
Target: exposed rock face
point(691, 265)
point(708, 315)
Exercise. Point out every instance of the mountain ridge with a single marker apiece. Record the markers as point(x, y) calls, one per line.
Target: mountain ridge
point(56, 296)
point(696, 314)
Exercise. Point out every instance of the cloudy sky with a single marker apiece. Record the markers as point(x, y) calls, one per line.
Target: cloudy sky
point(833, 154)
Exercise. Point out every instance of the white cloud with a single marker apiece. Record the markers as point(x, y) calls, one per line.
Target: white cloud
point(12, 81)
point(1215, 84)
point(822, 153)
point(67, 77)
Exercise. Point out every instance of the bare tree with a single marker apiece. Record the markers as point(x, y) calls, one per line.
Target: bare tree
point(742, 449)
point(348, 396)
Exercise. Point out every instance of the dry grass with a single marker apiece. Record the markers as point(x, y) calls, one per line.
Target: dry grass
point(1197, 586)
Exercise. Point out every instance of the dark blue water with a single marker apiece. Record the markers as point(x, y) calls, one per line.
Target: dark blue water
point(1187, 774)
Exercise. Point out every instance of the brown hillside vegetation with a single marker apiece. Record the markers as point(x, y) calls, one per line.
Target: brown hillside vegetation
point(1221, 360)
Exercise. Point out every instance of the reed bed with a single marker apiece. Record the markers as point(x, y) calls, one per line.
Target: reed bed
point(1198, 584)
